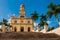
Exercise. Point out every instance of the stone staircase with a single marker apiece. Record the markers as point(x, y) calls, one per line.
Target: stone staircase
point(28, 36)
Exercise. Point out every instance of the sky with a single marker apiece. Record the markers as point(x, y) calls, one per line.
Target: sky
point(11, 7)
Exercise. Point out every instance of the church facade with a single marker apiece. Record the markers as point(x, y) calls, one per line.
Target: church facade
point(21, 23)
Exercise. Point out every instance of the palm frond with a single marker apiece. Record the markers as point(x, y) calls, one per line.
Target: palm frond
point(34, 15)
point(49, 14)
point(51, 6)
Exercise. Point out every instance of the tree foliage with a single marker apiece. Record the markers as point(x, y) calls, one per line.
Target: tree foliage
point(54, 10)
point(34, 15)
point(43, 19)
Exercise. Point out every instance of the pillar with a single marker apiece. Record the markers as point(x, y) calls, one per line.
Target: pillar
point(3, 28)
point(45, 28)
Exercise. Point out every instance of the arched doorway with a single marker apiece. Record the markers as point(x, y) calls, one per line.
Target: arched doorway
point(15, 29)
point(28, 29)
point(22, 29)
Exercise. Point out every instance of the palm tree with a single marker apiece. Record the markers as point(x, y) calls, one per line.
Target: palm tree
point(4, 22)
point(1, 23)
point(58, 8)
point(34, 16)
point(51, 6)
point(58, 12)
point(43, 19)
point(43, 23)
point(54, 10)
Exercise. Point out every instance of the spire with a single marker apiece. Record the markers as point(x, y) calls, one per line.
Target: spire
point(22, 11)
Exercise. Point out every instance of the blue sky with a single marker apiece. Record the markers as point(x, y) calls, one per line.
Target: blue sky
point(11, 7)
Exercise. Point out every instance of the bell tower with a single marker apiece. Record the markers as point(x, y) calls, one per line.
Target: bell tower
point(22, 11)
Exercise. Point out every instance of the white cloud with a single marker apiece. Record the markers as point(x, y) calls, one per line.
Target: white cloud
point(35, 24)
point(48, 22)
point(8, 20)
point(0, 26)
point(9, 15)
point(13, 14)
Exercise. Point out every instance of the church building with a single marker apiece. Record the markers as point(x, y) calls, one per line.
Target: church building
point(21, 23)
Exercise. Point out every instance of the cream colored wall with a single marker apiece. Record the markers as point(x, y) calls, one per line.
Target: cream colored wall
point(19, 24)
point(19, 21)
point(24, 26)
point(31, 27)
point(17, 27)
point(13, 21)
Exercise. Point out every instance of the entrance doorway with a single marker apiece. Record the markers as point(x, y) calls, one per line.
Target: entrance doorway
point(22, 29)
point(28, 29)
point(15, 29)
